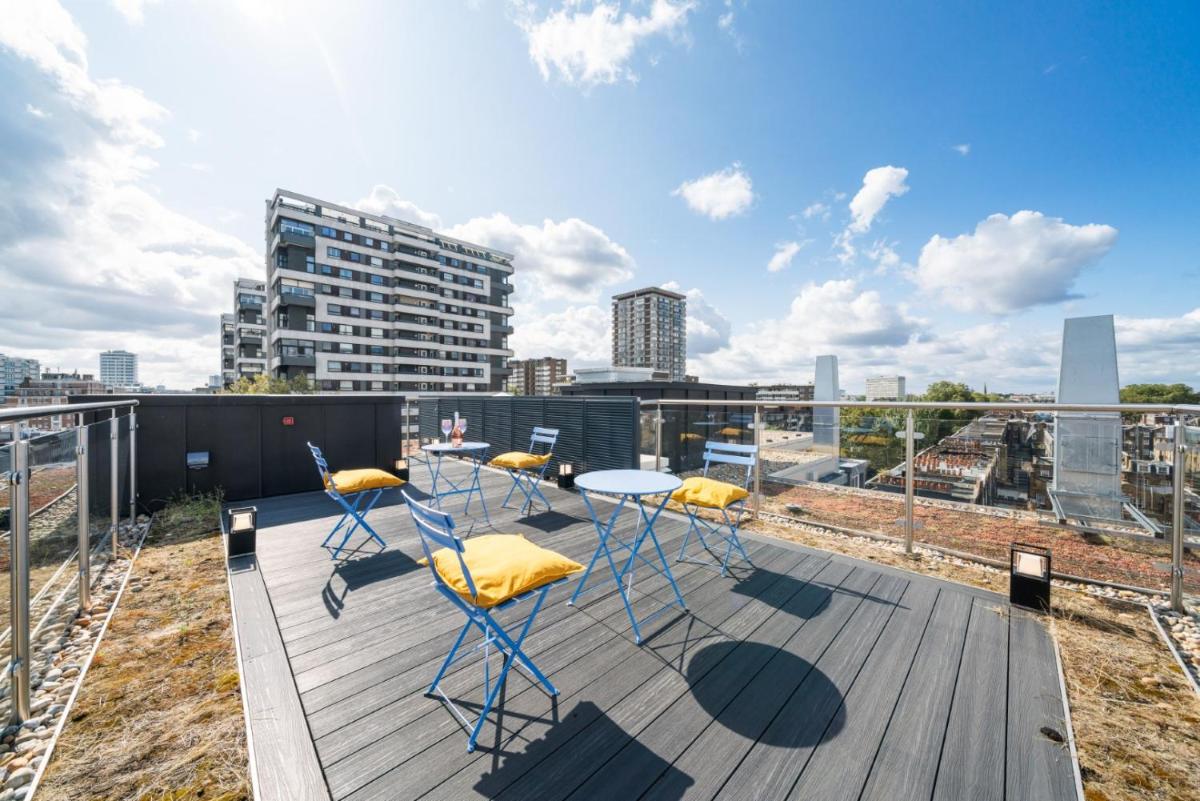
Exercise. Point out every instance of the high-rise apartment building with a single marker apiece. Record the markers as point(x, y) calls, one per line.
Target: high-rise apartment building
point(228, 372)
point(536, 376)
point(649, 329)
point(362, 301)
point(885, 388)
point(118, 368)
point(14, 370)
point(249, 328)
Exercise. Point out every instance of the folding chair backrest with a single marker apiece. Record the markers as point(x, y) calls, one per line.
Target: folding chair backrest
point(729, 453)
point(545, 436)
point(437, 530)
point(322, 465)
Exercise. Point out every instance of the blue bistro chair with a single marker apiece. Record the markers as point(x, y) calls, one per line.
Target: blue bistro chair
point(481, 577)
point(528, 468)
point(702, 492)
point(357, 492)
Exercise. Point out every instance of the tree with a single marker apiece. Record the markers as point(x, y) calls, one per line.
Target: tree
point(262, 384)
point(1159, 393)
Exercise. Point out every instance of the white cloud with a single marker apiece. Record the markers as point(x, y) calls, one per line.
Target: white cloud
point(35, 111)
point(571, 259)
point(153, 281)
point(579, 334)
point(596, 46)
point(784, 253)
point(198, 166)
point(884, 255)
point(963, 149)
point(1011, 263)
point(386, 201)
point(879, 184)
point(134, 11)
point(193, 135)
point(815, 211)
point(708, 329)
point(721, 194)
point(833, 317)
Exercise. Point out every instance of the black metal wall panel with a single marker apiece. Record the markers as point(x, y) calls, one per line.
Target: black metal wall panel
point(527, 413)
point(288, 465)
point(231, 436)
point(162, 438)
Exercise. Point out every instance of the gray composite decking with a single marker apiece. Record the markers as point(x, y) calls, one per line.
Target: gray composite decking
point(808, 676)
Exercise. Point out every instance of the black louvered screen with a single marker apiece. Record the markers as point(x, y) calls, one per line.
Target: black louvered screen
point(594, 433)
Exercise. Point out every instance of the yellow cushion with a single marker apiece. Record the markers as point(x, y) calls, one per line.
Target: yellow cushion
point(502, 566)
point(516, 460)
point(708, 492)
point(731, 431)
point(368, 478)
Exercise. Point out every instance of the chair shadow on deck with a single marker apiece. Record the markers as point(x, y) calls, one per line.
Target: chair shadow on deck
point(551, 521)
point(507, 766)
point(706, 677)
point(359, 573)
point(812, 588)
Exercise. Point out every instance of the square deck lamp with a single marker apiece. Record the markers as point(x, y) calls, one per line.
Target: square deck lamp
point(566, 476)
point(1029, 576)
point(400, 468)
point(243, 530)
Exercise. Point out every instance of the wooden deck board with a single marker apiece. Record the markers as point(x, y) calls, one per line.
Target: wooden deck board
point(809, 676)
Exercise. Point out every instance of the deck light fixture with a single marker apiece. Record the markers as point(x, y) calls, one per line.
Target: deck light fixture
point(1029, 576)
point(566, 476)
point(243, 528)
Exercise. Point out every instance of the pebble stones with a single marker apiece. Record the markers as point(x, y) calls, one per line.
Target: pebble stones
point(1184, 631)
point(59, 652)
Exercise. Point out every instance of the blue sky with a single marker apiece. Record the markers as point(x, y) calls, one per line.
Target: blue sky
point(923, 189)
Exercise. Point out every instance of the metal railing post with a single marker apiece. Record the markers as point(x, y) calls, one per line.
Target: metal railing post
point(82, 493)
point(757, 461)
point(19, 578)
point(658, 438)
point(909, 483)
point(132, 467)
point(114, 479)
point(1179, 470)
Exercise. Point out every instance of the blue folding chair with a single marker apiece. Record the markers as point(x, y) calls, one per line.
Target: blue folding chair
point(351, 488)
point(729, 499)
point(527, 469)
point(437, 532)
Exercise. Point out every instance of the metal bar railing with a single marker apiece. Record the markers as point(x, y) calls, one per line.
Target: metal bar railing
point(21, 413)
point(984, 406)
point(84, 531)
point(1180, 448)
point(19, 478)
point(18, 667)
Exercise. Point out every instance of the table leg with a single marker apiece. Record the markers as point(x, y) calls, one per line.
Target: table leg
point(602, 531)
point(649, 530)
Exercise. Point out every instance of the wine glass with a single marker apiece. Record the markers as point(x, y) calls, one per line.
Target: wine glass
point(447, 427)
point(462, 426)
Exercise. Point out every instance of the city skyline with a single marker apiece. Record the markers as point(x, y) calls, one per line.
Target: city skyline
point(803, 201)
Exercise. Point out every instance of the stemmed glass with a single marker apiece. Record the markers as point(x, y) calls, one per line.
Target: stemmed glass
point(462, 426)
point(447, 427)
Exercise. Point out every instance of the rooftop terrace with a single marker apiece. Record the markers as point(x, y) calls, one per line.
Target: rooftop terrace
point(810, 675)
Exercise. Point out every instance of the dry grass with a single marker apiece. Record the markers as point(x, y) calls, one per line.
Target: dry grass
point(1136, 721)
point(159, 717)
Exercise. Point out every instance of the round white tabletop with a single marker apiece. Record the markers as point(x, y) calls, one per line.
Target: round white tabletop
point(628, 482)
point(446, 447)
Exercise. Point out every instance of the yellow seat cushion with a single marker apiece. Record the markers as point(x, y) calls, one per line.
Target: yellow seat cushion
point(732, 431)
point(349, 482)
point(517, 460)
point(708, 492)
point(502, 566)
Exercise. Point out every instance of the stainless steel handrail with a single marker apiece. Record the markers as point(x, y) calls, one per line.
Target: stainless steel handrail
point(1094, 408)
point(16, 414)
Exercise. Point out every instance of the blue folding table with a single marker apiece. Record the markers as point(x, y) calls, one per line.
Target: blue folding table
point(629, 485)
point(474, 451)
